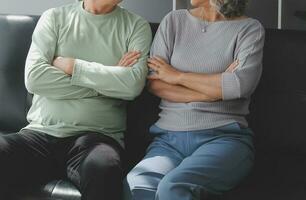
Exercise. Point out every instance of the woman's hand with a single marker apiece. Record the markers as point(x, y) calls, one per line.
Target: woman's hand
point(129, 59)
point(233, 66)
point(163, 71)
point(64, 64)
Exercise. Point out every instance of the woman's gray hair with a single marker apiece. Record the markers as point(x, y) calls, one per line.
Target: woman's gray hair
point(230, 8)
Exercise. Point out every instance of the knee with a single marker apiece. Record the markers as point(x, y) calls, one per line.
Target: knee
point(101, 166)
point(132, 182)
point(138, 179)
point(140, 185)
point(103, 171)
point(172, 186)
point(100, 174)
point(100, 179)
point(166, 188)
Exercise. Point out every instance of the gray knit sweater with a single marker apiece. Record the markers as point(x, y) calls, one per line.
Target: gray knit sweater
point(193, 45)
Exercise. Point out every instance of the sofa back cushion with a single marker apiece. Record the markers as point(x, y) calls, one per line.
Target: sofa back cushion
point(15, 36)
point(278, 107)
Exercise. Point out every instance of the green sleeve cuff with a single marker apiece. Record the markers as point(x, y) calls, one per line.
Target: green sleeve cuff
point(77, 71)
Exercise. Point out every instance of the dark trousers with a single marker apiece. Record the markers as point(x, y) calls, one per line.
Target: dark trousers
point(91, 161)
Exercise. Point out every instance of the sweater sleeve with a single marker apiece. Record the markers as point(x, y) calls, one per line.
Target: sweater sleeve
point(163, 42)
point(41, 77)
point(115, 81)
point(249, 51)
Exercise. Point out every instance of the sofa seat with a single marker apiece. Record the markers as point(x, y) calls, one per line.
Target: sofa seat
point(54, 190)
point(278, 113)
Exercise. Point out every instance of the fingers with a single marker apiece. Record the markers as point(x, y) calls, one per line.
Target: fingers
point(65, 64)
point(153, 66)
point(153, 61)
point(56, 60)
point(160, 59)
point(157, 64)
point(59, 61)
point(133, 62)
point(233, 66)
point(58, 57)
point(131, 55)
point(156, 61)
point(130, 62)
point(130, 58)
point(124, 60)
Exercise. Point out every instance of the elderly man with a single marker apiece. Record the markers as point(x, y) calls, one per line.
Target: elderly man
point(85, 61)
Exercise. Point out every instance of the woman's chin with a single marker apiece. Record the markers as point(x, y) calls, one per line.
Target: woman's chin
point(197, 3)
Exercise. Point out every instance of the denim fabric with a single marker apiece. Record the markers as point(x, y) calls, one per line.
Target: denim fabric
point(187, 165)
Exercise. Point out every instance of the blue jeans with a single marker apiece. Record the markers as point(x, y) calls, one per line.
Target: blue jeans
point(187, 165)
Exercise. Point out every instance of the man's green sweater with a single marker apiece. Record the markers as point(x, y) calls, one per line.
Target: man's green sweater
point(93, 98)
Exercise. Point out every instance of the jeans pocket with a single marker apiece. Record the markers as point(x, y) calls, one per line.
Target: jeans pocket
point(235, 128)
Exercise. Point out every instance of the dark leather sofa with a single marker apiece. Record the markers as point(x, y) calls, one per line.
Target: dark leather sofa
point(278, 116)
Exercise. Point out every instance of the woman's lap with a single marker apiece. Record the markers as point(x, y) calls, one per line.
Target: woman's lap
point(213, 163)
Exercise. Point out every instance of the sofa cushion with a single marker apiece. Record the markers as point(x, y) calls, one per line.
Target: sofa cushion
point(278, 113)
point(54, 190)
point(275, 176)
point(278, 107)
point(15, 34)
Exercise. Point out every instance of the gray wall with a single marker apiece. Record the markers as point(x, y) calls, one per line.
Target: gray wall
point(152, 10)
point(266, 11)
point(181, 4)
point(294, 14)
point(31, 7)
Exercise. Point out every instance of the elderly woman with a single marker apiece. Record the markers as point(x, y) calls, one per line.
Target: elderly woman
point(85, 60)
point(206, 63)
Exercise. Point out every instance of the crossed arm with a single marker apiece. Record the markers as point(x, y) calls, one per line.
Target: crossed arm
point(238, 81)
point(67, 64)
point(173, 85)
point(72, 78)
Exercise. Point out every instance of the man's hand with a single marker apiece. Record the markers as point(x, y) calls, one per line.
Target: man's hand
point(129, 59)
point(64, 64)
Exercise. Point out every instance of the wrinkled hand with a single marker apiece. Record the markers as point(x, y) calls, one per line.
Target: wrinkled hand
point(64, 64)
point(232, 66)
point(129, 59)
point(163, 71)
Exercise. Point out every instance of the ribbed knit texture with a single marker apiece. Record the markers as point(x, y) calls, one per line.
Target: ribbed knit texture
point(192, 45)
point(92, 99)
